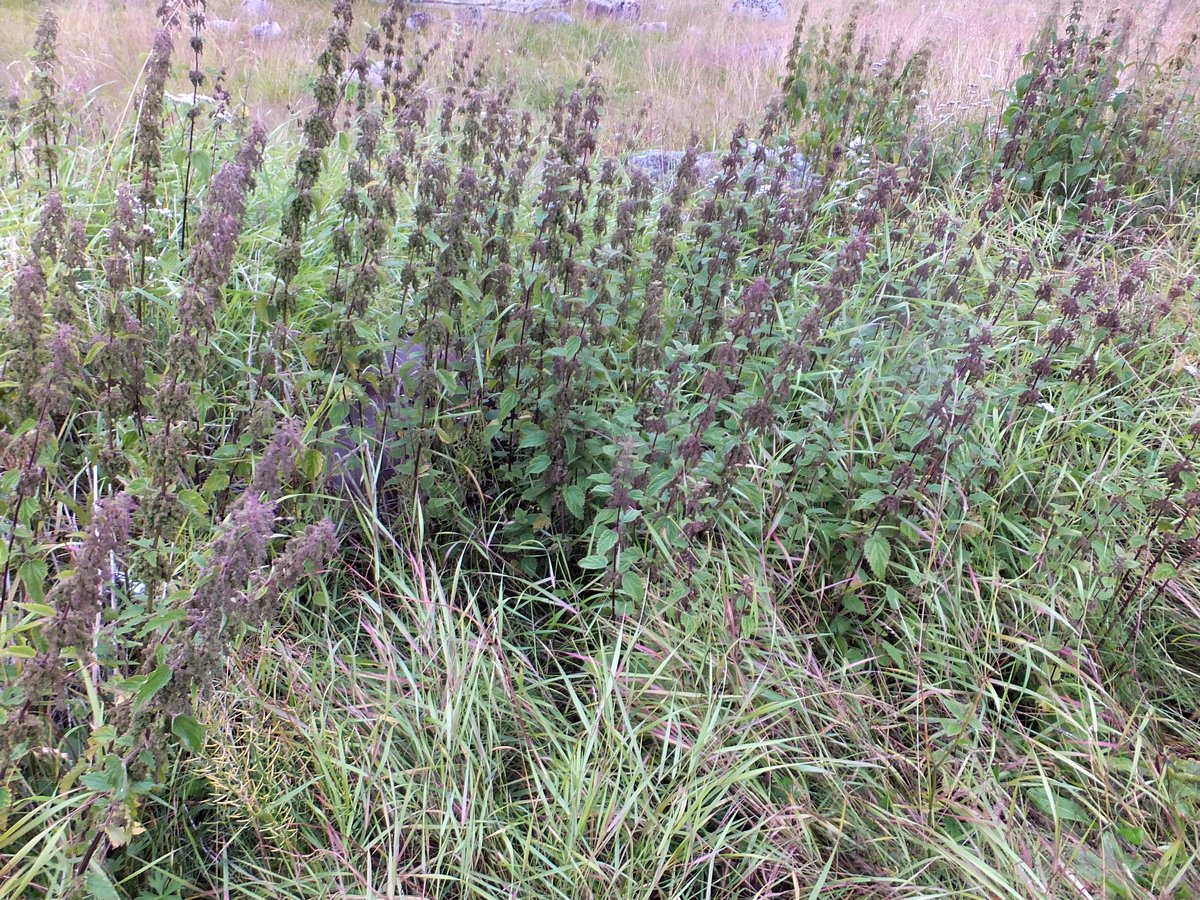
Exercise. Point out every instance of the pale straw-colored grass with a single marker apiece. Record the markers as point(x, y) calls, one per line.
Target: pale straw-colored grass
point(706, 72)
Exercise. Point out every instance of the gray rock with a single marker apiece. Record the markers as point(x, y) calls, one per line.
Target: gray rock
point(418, 21)
point(660, 167)
point(266, 31)
point(653, 26)
point(470, 16)
point(255, 9)
point(553, 17)
point(372, 77)
point(621, 10)
point(220, 24)
point(359, 467)
point(766, 10)
point(657, 165)
point(474, 8)
point(709, 166)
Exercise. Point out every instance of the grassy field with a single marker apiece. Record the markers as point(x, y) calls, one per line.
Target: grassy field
point(778, 530)
point(704, 74)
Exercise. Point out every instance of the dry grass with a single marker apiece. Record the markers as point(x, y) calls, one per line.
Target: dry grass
point(705, 72)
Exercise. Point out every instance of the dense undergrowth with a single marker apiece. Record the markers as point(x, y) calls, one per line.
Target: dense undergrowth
point(416, 503)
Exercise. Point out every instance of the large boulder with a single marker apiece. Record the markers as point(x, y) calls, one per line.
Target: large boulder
point(621, 10)
point(470, 16)
point(418, 21)
point(474, 9)
point(370, 77)
point(660, 166)
point(766, 10)
point(657, 165)
point(260, 10)
point(553, 17)
point(266, 31)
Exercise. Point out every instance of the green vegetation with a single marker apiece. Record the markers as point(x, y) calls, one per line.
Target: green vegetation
point(417, 503)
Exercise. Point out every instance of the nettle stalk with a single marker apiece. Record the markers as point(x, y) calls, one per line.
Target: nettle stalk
point(320, 129)
point(196, 19)
point(147, 147)
point(44, 117)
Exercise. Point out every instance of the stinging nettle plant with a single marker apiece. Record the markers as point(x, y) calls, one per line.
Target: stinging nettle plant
point(819, 403)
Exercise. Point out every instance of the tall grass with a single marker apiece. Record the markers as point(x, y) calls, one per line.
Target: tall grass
point(446, 511)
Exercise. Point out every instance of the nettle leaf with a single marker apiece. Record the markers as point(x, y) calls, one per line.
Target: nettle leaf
point(575, 497)
point(877, 551)
point(111, 779)
point(310, 463)
point(95, 781)
point(189, 731)
point(217, 481)
point(121, 832)
point(533, 437)
point(508, 402)
point(99, 886)
point(194, 503)
point(606, 539)
point(853, 603)
point(146, 686)
point(594, 562)
point(633, 586)
point(33, 574)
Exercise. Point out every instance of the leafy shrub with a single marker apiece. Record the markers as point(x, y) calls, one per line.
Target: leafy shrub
point(843, 101)
point(867, 407)
point(1078, 120)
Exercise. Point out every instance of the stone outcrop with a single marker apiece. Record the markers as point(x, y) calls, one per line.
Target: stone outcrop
point(620, 10)
point(508, 6)
point(553, 17)
point(259, 10)
point(767, 10)
point(660, 166)
point(266, 31)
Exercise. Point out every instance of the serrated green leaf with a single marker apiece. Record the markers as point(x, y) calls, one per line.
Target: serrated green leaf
point(1163, 571)
point(33, 574)
point(877, 551)
point(574, 497)
point(98, 885)
point(154, 683)
point(96, 781)
point(189, 731)
point(594, 562)
point(633, 586)
point(193, 503)
point(606, 539)
point(310, 463)
point(508, 402)
point(534, 437)
point(217, 481)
